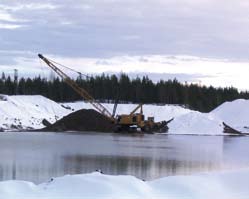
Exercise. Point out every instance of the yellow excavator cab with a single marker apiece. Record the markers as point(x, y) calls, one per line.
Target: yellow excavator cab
point(151, 119)
point(130, 119)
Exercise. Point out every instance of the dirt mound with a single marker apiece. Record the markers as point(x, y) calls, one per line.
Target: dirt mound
point(82, 120)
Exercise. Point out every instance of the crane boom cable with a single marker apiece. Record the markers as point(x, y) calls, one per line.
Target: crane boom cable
point(80, 73)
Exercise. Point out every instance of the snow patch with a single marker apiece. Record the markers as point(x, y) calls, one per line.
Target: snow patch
point(229, 184)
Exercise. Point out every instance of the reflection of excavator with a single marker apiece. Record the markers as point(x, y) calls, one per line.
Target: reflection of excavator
point(123, 122)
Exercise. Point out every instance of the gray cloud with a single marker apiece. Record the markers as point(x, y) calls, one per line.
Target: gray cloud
point(116, 27)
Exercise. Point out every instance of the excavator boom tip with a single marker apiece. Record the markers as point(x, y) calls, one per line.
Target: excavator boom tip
point(40, 56)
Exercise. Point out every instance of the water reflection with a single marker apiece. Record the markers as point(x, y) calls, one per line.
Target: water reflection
point(141, 167)
point(38, 157)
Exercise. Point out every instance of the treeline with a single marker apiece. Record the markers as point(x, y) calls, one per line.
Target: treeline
point(124, 89)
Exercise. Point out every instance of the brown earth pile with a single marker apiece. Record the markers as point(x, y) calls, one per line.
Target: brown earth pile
point(82, 120)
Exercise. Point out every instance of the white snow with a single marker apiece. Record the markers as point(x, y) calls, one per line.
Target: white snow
point(196, 123)
point(235, 114)
point(27, 112)
point(228, 184)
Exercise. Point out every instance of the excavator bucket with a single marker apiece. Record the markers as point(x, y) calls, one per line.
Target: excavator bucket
point(162, 127)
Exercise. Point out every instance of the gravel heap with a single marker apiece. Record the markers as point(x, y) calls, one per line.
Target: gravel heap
point(82, 120)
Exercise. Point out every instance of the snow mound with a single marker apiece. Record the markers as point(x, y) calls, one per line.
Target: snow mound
point(27, 112)
point(232, 184)
point(196, 123)
point(235, 114)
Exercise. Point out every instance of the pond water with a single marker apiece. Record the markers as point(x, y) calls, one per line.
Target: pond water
point(37, 157)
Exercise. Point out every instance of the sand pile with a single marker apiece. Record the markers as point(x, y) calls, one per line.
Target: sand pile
point(82, 120)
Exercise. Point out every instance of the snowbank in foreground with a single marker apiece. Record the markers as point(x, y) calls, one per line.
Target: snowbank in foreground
point(232, 184)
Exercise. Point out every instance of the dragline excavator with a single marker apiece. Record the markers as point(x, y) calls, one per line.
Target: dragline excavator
point(133, 121)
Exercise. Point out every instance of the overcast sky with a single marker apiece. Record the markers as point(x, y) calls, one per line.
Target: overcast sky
point(206, 40)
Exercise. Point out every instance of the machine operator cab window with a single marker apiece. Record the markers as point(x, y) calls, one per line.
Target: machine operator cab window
point(151, 119)
point(134, 119)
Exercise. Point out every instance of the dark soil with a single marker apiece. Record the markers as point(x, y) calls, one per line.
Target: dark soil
point(82, 120)
point(230, 130)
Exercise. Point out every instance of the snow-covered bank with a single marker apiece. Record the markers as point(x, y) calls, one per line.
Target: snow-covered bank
point(230, 184)
point(235, 114)
point(27, 112)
